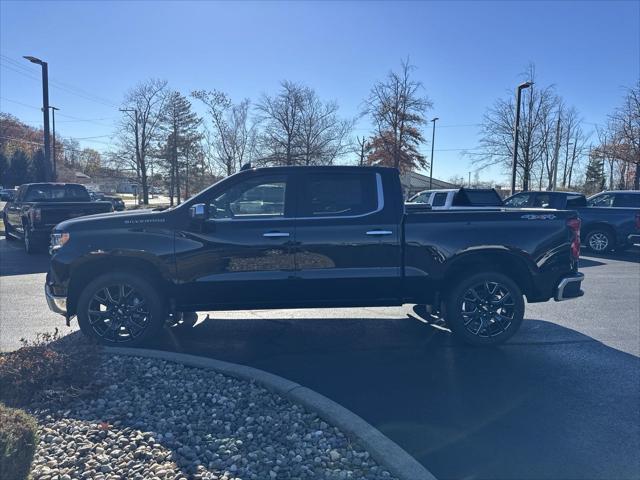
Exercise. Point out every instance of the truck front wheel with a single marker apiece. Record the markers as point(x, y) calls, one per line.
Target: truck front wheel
point(485, 309)
point(120, 309)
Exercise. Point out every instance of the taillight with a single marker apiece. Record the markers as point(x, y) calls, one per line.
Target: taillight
point(574, 226)
point(36, 215)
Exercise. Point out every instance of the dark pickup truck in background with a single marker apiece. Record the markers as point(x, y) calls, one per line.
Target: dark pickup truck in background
point(606, 223)
point(295, 237)
point(38, 207)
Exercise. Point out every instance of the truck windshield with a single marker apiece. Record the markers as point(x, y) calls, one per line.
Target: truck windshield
point(57, 193)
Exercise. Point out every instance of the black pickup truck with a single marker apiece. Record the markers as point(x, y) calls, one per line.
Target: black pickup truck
point(38, 207)
point(295, 237)
point(605, 224)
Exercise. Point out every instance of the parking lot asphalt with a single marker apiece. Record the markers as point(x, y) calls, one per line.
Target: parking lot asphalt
point(560, 400)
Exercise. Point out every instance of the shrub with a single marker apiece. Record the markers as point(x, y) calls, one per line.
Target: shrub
point(47, 369)
point(17, 443)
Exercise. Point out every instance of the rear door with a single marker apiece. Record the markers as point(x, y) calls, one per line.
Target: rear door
point(347, 239)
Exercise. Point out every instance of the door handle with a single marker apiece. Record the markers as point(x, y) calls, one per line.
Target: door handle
point(275, 234)
point(379, 232)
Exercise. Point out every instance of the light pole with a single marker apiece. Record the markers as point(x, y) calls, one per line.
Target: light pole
point(433, 139)
point(45, 106)
point(135, 111)
point(521, 87)
point(53, 143)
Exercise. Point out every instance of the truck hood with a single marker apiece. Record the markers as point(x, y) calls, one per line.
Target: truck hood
point(113, 219)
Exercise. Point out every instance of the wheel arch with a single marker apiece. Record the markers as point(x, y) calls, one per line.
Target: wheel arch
point(490, 260)
point(89, 269)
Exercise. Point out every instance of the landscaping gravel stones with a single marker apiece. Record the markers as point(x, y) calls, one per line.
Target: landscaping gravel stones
point(159, 420)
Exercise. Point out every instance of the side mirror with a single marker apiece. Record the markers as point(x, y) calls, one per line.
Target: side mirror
point(198, 211)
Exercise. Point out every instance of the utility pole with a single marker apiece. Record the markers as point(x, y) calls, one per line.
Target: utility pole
point(433, 140)
point(556, 155)
point(45, 109)
point(469, 179)
point(53, 144)
point(514, 166)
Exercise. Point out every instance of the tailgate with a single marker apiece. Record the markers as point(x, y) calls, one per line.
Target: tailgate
point(54, 213)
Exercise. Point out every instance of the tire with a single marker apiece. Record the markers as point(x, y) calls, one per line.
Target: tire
point(599, 241)
point(29, 246)
point(121, 309)
point(485, 309)
point(8, 230)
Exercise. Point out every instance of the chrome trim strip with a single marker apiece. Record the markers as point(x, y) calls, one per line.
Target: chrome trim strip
point(577, 277)
point(379, 190)
point(379, 232)
point(56, 304)
point(275, 234)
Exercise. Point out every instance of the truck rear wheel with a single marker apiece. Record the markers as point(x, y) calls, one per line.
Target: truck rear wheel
point(120, 309)
point(485, 309)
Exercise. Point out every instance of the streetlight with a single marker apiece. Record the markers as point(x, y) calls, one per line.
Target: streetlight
point(521, 87)
point(53, 117)
point(135, 111)
point(433, 139)
point(45, 103)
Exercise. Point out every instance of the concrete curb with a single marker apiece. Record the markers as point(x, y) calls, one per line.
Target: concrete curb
point(382, 449)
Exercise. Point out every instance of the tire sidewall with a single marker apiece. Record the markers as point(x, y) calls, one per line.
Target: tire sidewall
point(143, 286)
point(609, 237)
point(454, 304)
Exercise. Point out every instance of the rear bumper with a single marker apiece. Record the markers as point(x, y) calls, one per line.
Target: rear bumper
point(569, 287)
point(57, 304)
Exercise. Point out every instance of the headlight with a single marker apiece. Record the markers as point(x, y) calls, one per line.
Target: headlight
point(58, 240)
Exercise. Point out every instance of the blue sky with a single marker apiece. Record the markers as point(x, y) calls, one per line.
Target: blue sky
point(467, 54)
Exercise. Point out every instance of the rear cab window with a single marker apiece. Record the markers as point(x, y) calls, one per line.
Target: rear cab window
point(626, 200)
point(439, 199)
point(343, 194)
point(56, 193)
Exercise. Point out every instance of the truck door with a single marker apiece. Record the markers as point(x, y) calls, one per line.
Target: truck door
point(347, 239)
point(242, 253)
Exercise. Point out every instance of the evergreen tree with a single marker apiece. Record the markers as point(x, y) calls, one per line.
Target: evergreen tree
point(595, 178)
point(39, 166)
point(19, 170)
point(181, 125)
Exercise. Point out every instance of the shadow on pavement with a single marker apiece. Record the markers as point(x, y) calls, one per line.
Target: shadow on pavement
point(15, 261)
point(552, 403)
point(630, 255)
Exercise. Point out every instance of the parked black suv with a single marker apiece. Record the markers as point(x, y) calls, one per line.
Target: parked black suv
point(291, 237)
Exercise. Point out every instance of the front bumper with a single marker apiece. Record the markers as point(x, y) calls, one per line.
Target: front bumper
point(56, 303)
point(569, 287)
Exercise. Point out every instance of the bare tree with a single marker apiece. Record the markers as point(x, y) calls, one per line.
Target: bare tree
point(233, 135)
point(397, 108)
point(281, 116)
point(323, 136)
point(536, 135)
point(147, 100)
point(625, 132)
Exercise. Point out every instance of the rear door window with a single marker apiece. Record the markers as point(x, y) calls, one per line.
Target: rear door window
point(542, 200)
point(626, 200)
point(338, 194)
point(576, 201)
point(439, 199)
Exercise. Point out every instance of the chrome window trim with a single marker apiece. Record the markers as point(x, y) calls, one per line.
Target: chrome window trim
point(380, 194)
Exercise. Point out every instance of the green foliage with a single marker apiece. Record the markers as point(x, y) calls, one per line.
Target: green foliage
point(19, 170)
point(39, 166)
point(595, 178)
point(18, 437)
point(49, 369)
